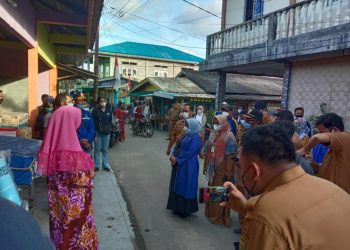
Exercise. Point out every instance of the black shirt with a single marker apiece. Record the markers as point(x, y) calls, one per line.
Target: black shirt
point(102, 120)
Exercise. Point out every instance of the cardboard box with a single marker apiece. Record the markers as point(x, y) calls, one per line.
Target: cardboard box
point(25, 133)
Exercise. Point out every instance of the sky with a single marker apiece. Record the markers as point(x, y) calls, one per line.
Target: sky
point(172, 23)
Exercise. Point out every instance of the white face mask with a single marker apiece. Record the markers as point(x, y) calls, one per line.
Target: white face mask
point(240, 110)
point(186, 130)
point(199, 111)
point(70, 104)
point(217, 127)
point(185, 115)
point(226, 113)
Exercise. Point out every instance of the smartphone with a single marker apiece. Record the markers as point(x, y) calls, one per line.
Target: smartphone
point(213, 194)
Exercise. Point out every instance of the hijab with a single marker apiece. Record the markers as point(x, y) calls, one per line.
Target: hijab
point(193, 125)
point(61, 150)
point(224, 142)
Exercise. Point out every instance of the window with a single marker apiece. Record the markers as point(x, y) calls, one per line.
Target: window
point(129, 63)
point(160, 66)
point(129, 72)
point(253, 9)
point(159, 73)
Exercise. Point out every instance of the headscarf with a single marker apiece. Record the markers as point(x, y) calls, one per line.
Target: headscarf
point(61, 150)
point(224, 142)
point(193, 125)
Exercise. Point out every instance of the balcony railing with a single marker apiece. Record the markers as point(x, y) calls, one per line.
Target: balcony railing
point(297, 19)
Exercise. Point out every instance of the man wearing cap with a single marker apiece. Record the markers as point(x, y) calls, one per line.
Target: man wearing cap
point(86, 131)
point(262, 107)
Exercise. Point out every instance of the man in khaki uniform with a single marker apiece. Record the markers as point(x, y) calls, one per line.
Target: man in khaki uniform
point(289, 209)
point(173, 116)
point(336, 163)
point(178, 129)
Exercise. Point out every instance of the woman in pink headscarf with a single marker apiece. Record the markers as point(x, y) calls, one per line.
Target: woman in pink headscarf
point(70, 182)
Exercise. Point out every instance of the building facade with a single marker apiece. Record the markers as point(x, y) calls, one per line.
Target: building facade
point(305, 42)
point(37, 38)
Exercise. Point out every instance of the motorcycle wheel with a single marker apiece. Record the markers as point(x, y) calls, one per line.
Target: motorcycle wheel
point(148, 131)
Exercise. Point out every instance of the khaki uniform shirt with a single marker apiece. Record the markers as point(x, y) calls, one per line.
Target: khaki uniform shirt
point(176, 133)
point(267, 119)
point(336, 164)
point(297, 211)
point(173, 115)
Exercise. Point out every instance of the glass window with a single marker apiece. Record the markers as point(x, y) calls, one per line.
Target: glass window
point(134, 72)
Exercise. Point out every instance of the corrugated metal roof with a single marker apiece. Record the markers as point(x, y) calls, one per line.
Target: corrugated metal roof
point(172, 85)
point(151, 51)
point(236, 83)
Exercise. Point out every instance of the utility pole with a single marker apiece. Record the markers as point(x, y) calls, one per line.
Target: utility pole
point(95, 91)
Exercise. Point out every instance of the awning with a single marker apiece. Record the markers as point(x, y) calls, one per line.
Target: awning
point(66, 72)
point(162, 94)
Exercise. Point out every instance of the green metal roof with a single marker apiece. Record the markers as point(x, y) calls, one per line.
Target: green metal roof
point(151, 51)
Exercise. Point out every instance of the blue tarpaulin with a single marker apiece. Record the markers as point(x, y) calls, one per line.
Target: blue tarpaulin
point(20, 146)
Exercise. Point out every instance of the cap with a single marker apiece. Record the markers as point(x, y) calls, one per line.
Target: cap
point(254, 114)
point(285, 115)
point(260, 105)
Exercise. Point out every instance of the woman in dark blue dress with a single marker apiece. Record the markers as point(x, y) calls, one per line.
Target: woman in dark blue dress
point(185, 168)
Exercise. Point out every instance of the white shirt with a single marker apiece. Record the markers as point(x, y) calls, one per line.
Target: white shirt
point(199, 118)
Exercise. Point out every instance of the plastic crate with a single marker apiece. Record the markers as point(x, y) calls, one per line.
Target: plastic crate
point(13, 119)
point(22, 168)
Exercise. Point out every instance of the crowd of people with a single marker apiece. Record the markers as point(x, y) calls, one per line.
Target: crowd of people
point(74, 137)
point(289, 185)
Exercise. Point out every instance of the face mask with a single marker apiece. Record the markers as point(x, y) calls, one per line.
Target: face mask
point(226, 113)
point(217, 127)
point(240, 111)
point(250, 192)
point(48, 110)
point(70, 104)
point(246, 125)
point(81, 106)
point(185, 115)
point(103, 104)
point(199, 111)
point(86, 109)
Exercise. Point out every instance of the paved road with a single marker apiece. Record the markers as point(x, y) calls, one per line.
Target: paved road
point(143, 171)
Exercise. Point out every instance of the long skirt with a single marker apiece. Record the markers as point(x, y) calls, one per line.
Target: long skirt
point(72, 224)
point(178, 204)
point(213, 210)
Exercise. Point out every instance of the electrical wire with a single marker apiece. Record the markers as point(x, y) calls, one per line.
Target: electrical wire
point(211, 13)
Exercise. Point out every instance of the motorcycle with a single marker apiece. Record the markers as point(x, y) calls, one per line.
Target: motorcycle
point(145, 127)
point(114, 138)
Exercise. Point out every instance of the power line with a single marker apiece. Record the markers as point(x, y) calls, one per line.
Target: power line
point(179, 31)
point(211, 13)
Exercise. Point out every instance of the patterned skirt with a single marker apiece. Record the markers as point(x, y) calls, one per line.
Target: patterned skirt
point(72, 224)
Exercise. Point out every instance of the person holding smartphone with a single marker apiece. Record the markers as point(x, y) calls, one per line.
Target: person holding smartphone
point(288, 208)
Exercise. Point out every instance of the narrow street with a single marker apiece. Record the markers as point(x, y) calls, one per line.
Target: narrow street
point(143, 171)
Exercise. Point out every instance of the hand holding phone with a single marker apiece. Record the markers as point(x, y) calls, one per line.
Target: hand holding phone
point(213, 194)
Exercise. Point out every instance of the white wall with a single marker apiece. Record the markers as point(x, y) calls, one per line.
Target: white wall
point(234, 12)
point(273, 5)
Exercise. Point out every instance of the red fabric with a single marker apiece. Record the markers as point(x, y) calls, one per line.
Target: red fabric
point(138, 114)
point(120, 115)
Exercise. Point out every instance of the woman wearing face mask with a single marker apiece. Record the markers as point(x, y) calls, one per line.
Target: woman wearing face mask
point(185, 168)
point(221, 150)
point(48, 111)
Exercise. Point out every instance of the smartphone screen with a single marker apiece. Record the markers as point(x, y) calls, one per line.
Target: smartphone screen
point(213, 194)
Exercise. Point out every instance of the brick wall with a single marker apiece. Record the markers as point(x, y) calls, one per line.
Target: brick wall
point(318, 81)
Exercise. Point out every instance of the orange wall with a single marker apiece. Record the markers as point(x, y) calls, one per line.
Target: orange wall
point(32, 85)
point(53, 82)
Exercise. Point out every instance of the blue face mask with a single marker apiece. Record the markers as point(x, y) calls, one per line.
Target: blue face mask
point(246, 125)
point(81, 106)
